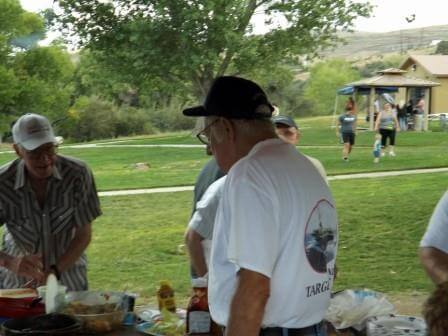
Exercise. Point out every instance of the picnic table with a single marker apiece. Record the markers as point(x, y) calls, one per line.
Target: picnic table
point(130, 331)
point(125, 331)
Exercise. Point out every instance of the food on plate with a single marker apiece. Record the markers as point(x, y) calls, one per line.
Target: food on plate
point(79, 308)
point(98, 312)
point(99, 326)
point(169, 325)
point(18, 293)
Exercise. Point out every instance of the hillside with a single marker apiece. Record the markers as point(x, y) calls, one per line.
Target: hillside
point(360, 45)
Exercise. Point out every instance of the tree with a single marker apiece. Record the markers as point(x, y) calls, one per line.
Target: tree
point(14, 23)
point(442, 48)
point(32, 78)
point(372, 68)
point(325, 79)
point(185, 44)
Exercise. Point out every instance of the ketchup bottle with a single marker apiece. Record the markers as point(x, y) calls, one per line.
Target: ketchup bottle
point(198, 313)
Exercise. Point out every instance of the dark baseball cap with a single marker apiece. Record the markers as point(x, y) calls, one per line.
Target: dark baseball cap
point(285, 120)
point(234, 98)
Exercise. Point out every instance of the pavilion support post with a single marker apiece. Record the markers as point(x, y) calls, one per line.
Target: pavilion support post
point(335, 110)
point(371, 108)
point(426, 110)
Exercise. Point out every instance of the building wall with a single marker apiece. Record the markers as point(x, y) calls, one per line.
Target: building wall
point(439, 94)
point(439, 101)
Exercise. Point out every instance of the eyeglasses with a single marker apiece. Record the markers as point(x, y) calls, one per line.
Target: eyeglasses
point(41, 151)
point(203, 136)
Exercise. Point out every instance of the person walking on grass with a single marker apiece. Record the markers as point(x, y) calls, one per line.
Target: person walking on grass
point(387, 125)
point(377, 148)
point(347, 128)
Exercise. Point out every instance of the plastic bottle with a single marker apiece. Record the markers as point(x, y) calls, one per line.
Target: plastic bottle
point(129, 302)
point(165, 297)
point(198, 313)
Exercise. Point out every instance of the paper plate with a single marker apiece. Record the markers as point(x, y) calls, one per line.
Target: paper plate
point(152, 315)
point(143, 328)
point(396, 325)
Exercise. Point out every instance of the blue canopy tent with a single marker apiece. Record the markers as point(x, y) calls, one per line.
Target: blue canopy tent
point(350, 90)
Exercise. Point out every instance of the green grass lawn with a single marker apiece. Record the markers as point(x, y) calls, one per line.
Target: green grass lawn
point(381, 223)
point(113, 166)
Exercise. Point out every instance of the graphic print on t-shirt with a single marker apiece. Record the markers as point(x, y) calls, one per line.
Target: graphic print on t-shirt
point(321, 236)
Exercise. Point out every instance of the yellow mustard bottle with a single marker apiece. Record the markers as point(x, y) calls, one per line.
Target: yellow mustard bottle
point(165, 297)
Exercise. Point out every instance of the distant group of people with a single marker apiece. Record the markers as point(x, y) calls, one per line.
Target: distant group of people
point(410, 116)
point(388, 120)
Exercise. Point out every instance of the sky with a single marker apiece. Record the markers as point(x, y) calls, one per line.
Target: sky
point(388, 15)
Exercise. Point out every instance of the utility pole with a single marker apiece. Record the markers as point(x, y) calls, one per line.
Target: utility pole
point(410, 19)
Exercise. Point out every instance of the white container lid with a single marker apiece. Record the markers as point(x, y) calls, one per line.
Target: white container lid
point(199, 282)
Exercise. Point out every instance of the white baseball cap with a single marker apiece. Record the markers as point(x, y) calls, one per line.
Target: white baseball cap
point(32, 130)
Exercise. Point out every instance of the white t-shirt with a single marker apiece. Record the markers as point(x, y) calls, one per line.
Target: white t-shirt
point(203, 219)
point(319, 166)
point(436, 234)
point(276, 217)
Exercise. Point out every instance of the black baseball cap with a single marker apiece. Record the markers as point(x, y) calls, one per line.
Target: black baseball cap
point(285, 120)
point(234, 98)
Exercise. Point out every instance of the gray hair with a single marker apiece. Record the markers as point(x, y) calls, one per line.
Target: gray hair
point(249, 128)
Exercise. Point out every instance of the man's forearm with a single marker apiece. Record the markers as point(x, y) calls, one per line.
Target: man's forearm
point(74, 251)
point(248, 304)
point(5, 260)
point(196, 252)
point(435, 263)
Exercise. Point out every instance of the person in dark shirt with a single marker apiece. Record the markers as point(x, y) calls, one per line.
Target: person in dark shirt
point(347, 127)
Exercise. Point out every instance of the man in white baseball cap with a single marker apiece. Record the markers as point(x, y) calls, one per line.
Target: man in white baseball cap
point(32, 130)
point(47, 204)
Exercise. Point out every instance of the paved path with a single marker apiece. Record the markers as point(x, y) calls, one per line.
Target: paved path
point(330, 178)
point(115, 144)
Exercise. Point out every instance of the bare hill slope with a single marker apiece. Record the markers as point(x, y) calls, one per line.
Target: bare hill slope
point(363, 44)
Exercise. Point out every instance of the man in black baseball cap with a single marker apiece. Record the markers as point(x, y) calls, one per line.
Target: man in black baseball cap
point(235, 98)
point(258, 258)
point(287, 129)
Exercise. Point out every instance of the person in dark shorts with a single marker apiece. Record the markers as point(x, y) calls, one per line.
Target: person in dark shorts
point(387, 125)
point(347, 128)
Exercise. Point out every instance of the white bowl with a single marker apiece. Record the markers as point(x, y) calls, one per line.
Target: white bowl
point(60, 297)
point(42, 290)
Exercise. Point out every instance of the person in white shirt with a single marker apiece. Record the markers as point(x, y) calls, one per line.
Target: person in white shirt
point(275, 236)
point(434, 245)
point(199, 232)
point(200, 228)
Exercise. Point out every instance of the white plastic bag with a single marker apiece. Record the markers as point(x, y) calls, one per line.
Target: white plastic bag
point(352, 308)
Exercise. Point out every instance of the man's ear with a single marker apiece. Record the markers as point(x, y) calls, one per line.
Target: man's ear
point(229, 129)
point(17, 150)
